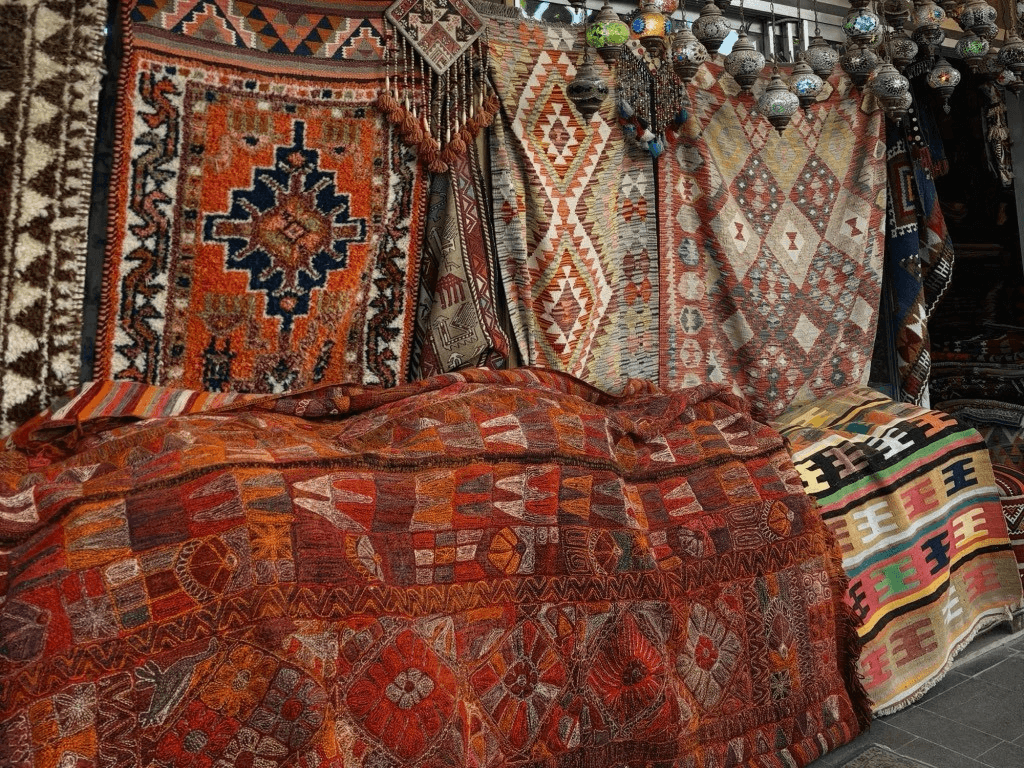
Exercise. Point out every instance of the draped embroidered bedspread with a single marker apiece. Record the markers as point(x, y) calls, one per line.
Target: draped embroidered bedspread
point(483, 569)
point(910, 496)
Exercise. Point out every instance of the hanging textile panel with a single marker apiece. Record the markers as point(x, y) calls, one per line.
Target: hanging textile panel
point(910, 496)
point(264, 223)
point(771, 248)
point(1010, 481)
point(1001, 424)
point(49, 89)
point(918, 268)
point(574, 217)
point(457, 317)
point(486, 568)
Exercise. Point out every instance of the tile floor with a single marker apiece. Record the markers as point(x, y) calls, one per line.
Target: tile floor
point(973, 718)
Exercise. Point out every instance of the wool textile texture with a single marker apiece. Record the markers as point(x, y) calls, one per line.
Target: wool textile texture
point(483, 568)
point(918, 269)
point(457, 317)
point(573, 212)
point(1010, 481)
point(1000, 424)
point(51, 57)
point(264, 219)
point(771, 247)
point(910, 496)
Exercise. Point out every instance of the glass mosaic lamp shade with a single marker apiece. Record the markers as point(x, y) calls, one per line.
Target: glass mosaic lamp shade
point(902, 50)
point(651, 26)
point(859, 62)
point(710, 27)
point(978, 17)
point(1012, 54)
point(778, 103)
point(888, 84)
point(943, 78)
point(821, 57)
point(805, 83)
point(972, 49)
point(587, 90)
point(862, 26)
point(744, 62)
point(896, 110)
point(607, 33)
point(926, 20)
point(688, 53)
point(896, 12)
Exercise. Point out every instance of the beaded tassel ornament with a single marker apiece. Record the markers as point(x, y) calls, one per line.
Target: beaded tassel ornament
point(436, 89)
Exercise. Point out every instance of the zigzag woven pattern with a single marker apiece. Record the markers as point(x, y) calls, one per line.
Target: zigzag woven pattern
point(574, 215)
point(263, 219)
point(910, 495)
point(772, 247)
point(487, 568)
point(49, 85)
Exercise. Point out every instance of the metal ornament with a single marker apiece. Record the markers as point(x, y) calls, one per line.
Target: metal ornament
point(805, 83)
point(896, 12)
point(745, 62)
point(888, 84)
point(778, 104)
point(859, 62)
point(902, 50)
point(1012, 54)
point(943, 79)
point(926, 20)
point(723, 4)
point(977, 17)
point(668, 7)
point(688, 53)
point(972, 50)
point(710, 27)
point(821, 57)
point(897, 109)
point(990, 68)
point(587, 90)
point(607, 33)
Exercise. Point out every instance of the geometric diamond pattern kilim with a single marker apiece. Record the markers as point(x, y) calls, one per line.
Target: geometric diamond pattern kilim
point(771, 247)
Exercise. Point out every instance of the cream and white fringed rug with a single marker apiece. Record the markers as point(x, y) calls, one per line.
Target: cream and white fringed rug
point(51, 55)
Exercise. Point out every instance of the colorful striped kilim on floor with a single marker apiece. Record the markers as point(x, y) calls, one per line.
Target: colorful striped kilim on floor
point(265, 221)
point(481, 569)
point(771, 248)
point(910, 496)
point(574, 217)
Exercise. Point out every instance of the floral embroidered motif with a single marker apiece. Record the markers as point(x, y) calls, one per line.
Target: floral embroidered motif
point(709, 656)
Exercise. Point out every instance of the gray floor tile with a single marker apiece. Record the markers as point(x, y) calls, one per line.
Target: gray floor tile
point(952, 734)
point(1004, 756)
point(992, 710)
point(888, 735)
point(951, 703)
point(933, 754)
point(1018, 643)
point(951, 680)
point(1008, 674)
point(983, 661)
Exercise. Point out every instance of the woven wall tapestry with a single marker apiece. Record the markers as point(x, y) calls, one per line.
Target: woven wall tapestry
point(918, 268)
point(264, 223)
point(1001, 425)
point(910, 496)
point(1010, 481)
point(573, 215)
point(51, 58)
point(483, 569)
point(457, 318)
point(771, 247)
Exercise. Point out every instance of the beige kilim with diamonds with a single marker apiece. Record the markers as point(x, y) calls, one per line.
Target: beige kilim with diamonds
point(771, 248)
point(574, 215)
point(49, 85)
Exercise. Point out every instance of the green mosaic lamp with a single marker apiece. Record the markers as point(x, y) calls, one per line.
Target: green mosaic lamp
point(607, 33)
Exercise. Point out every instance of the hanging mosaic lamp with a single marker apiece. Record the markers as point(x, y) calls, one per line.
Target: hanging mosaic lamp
point(778, 103)
point(862, 26)
point(888, 84)
point(953, 8)
point(821, 57)
point(651, 26)
point(805, 83)
point(723, 4)
point(744, 62)
point(607, 33)
point(897, 109)
point(926, 20)
point(978, 17)
point(902, 50)
point(710, 27)
point(1012, 54)
point(1015, 86)
point(943, 78)
point(688, 53)
point(859, 62)
point(896, 12)
point(990, 67)
point(587, 90)
point(972, 50)
point(668, 7)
